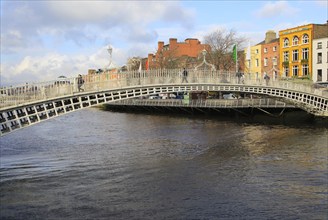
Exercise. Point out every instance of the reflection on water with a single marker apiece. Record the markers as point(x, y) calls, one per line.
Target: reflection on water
point(102, 165)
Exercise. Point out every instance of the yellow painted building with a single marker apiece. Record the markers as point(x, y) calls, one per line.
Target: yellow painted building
point(296, 51)
point(253, 65)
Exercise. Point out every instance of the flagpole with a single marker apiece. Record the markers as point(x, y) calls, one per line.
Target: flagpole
point(236, 59)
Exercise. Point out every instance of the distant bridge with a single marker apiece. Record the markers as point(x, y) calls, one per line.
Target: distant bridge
point(25, 105)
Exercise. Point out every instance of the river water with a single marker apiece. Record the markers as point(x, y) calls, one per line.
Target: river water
point(94, 164)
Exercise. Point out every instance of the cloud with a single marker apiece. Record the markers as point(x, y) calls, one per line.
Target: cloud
point(44, 39)
point(50, 66)
point(71, 19)
point(274, 9)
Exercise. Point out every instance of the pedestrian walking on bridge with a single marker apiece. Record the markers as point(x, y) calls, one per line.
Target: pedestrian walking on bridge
point(80, 82)
point(266, 78)
point(184, 75)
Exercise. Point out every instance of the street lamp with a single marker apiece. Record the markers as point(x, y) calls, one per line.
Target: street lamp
point(204, 55)
point(110, 50)
point(204, 52)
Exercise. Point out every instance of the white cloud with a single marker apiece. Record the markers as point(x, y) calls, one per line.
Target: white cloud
point(275, 9)
point(45, 36)
point(48, 67)
point(111, 13)
point(71, 19)
point(52, 65)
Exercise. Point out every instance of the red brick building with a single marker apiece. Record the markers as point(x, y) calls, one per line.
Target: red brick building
point(176, 54)
point(270, 54)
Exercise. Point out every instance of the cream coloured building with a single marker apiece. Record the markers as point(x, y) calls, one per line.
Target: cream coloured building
point(320, 59)
point(253, 65)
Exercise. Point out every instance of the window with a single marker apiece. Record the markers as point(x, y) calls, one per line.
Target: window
point(305, 53)
point(295, 70)
point(265, 50)
point(286, 71)
point(257, 51)
point(319, 57)
point(286, 42)
point(286, 56)
point(305, 70)
point(305, 39)
point(295, 41)
point(319, 75)
point(265, 61)
point(295, 55)
point(257, 62)
point(274, 48)
point(319, 45)
point(274, 61)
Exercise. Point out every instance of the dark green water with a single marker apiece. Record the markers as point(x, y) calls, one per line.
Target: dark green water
point(94, 164)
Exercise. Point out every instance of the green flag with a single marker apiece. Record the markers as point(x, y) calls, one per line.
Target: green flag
point(234, 53)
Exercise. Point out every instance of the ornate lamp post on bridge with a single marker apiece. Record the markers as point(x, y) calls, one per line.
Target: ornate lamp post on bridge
point(110, 50)
point(204, 52)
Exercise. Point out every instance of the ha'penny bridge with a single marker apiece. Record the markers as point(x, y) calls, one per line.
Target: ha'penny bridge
point(25, 105)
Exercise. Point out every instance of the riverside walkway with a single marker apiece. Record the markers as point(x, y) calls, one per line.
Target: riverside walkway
point(25, 105)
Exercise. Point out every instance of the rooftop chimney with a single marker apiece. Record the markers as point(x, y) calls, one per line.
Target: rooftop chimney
point(269, 36)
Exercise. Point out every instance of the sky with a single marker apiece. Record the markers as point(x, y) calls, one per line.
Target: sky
point(44, 39)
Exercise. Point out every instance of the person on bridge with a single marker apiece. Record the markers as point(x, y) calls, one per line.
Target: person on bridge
point(80, 82)
point(184, 75)
point(266, 78)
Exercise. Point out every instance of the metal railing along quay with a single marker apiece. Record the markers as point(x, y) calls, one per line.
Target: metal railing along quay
point(208, 103)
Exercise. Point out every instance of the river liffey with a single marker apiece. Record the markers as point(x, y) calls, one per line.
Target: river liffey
point(94, 164)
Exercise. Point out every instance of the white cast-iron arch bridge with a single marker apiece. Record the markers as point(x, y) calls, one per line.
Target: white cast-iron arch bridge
point(25, 105)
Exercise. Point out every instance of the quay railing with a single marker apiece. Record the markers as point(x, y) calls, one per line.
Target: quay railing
point(30, 92)
point(206, 103)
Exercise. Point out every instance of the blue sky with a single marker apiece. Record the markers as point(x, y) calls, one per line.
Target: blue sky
point(41, 40)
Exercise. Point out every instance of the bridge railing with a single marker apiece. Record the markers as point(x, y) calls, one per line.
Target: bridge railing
point(29, 92)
